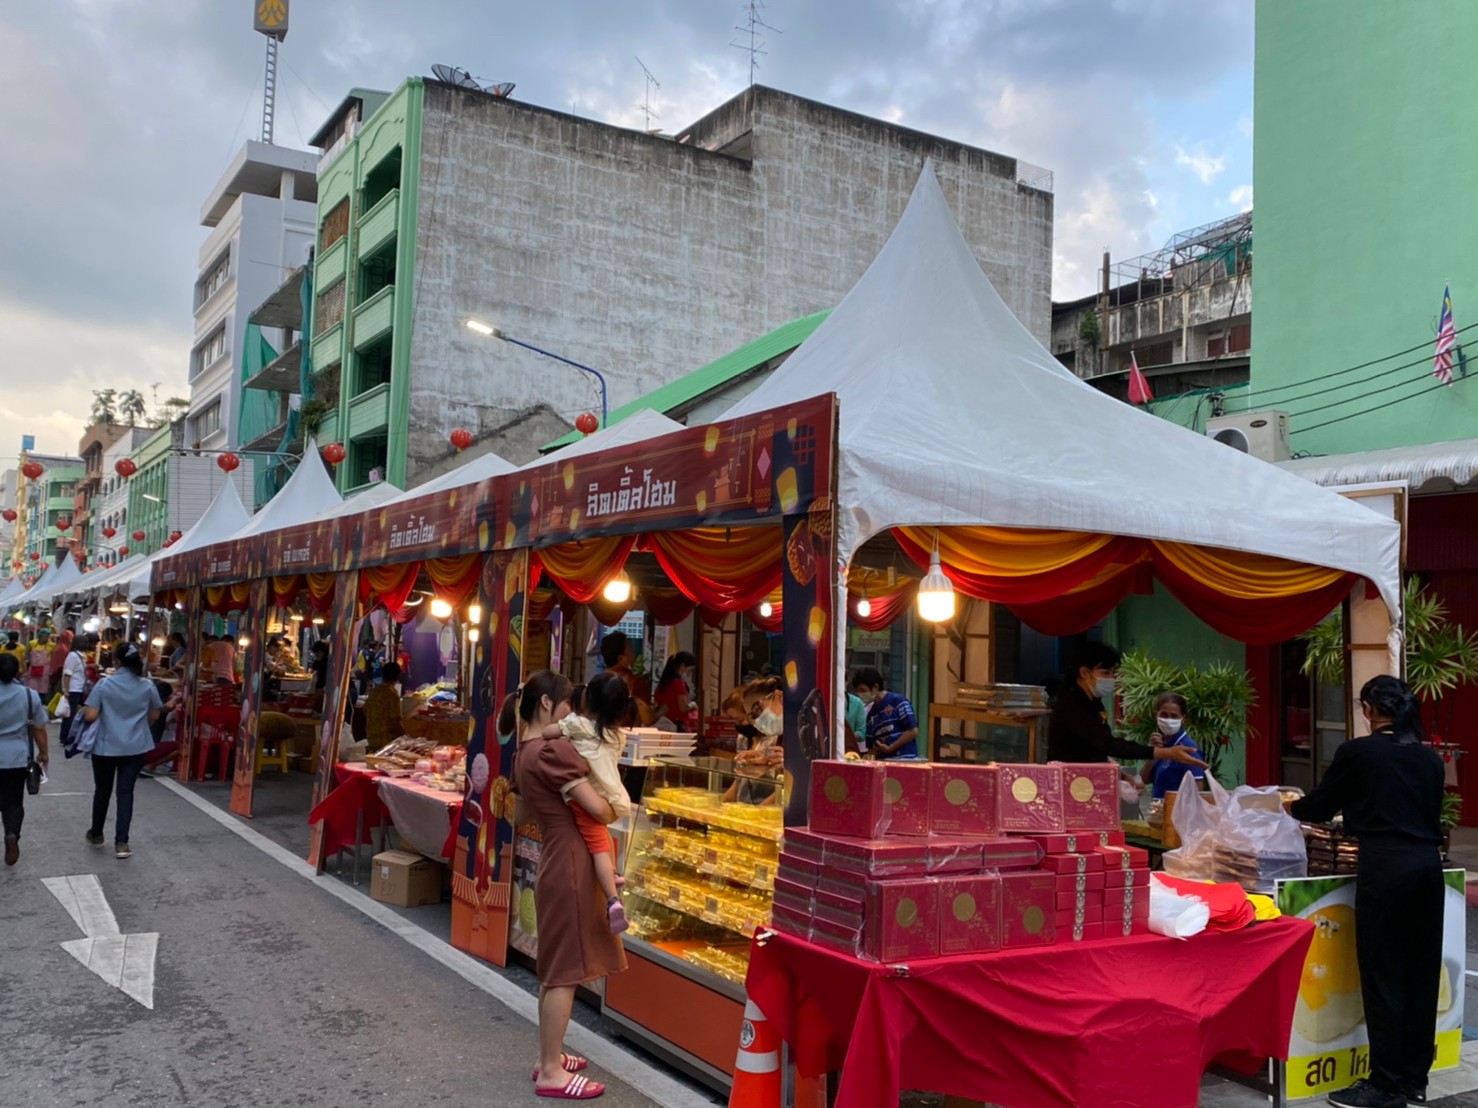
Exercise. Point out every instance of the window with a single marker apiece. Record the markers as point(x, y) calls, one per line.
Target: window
point(210, 351)
point(330, 308)
point(216, 276)
point(208, 422)
point(335, 224)
point(366, 456)
point(373, 363)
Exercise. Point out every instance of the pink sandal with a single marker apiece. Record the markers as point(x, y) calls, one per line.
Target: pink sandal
point(572, 1063)
point(579, 1088)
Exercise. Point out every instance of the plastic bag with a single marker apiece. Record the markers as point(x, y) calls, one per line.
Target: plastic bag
point(1197, 822)
point(64, 708)
point(1176, 916)
point(1259, 843)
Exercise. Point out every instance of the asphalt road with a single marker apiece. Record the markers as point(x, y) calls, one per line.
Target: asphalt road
point(268, 990)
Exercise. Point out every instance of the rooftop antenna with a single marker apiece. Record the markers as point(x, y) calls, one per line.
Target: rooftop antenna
point(269, 17)
point(646, 105)
point(754, 25)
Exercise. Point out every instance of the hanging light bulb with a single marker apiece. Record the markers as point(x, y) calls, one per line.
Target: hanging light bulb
point(766, 609)
point(318, 621)
point(156, 641)
point(864, 606)
point(936, 592)
point(297, 617)
point(474, 614)
point(473, 634)
point(119, 607)
point(440, 609)
point(618, 589)
point(243, 642)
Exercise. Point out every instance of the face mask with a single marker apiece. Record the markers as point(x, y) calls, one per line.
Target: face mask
point(1105, 686)
point(769, 722)
point(1169, 726)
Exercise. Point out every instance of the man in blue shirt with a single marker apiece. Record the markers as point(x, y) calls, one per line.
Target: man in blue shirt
point(892, 727)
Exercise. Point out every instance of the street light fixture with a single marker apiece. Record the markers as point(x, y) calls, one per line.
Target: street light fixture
point(487, 330)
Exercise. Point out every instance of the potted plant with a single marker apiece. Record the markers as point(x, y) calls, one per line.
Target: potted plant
point(1218, 697)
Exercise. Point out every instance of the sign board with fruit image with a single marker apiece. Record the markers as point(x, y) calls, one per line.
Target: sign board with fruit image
point(1329, 1047)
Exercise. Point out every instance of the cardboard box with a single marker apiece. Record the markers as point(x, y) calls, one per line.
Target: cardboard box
point(1126, 878)
point(969, 914)
point(1077, 842)
point(902, 920)
point(878, 857)
point(906, 794)
point(404, 879)
point(963, 800)
point(1090, 796)
point(1071, 863)
point(847, 798)
point(1081, 882)
point(1030, 799)
point(1123, 857)
point(1028, 914)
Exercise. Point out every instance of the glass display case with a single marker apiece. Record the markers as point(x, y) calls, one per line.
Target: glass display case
point(700, 870)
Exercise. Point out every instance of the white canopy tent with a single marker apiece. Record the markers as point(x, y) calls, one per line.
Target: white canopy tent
point(478, 469)
point(308, 495)
point(640, 425)
point(53, 582)
point(13, 590)
point(953, 414)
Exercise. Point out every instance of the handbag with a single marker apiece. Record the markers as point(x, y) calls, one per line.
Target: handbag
point(33, 767)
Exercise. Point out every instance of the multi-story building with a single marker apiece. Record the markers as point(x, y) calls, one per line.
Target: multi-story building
point(9, 482)
point(110, 500)
point(261, 215)
point(44, 502)
point(171, 488)
point(1183, 312)
point(638, 255)
point(101, 445)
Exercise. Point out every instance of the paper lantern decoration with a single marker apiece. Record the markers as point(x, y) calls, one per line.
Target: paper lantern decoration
point(174, 536)
point(139, 536)
point(109, 532)
point(32, 470)
point(125, 468)
point(461, 438)
point(9, 515)
point(586, 423)
point(64, 524)
point(334, 453)
point(123, 552)
point(228, 461)
point(35, 557)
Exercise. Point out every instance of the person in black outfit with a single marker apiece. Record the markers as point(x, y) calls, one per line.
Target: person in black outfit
point(1389, 786)
point(1079, 728)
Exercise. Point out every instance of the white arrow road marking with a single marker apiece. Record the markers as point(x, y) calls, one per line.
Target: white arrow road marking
point(124, 961)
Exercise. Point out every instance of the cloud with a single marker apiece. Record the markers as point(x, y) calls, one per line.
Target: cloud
point(1241, 198)
point(1207, 167)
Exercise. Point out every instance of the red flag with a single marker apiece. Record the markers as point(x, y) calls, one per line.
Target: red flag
point(1139, 388)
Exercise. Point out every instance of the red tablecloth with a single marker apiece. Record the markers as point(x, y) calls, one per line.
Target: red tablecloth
point(356, 789)
point(1127, 1023)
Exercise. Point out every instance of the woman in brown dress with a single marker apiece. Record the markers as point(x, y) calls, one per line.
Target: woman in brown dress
point(575, 941)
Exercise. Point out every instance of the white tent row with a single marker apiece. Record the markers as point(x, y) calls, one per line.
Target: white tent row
point(57, 578)
point(953, 414)
point(13, 590)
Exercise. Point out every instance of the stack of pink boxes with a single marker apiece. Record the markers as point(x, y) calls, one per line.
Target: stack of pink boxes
point(911, 860)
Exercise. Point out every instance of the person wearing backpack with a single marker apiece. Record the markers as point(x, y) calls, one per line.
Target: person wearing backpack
point(22, 741)
point(124, 705)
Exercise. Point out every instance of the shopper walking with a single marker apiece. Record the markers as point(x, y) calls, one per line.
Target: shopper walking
point(576, 944)
point(124, 705)
point(22, 737)
point(1389, 787)
point(74, 683)
point(38, 662)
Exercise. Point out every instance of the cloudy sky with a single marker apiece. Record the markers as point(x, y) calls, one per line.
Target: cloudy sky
point(125, 113)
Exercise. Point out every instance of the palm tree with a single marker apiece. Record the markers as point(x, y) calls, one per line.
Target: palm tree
point(131, 406)
point(104, 406)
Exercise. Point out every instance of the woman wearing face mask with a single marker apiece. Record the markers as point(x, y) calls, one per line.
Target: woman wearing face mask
point(1166, 777)
point(1389, 787)
point(674, 696)
point(1079, 730)
point(759, 753)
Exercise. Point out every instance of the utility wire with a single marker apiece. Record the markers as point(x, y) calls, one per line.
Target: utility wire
point(1429, 344)
point(1376, 408)
point(1425, 360)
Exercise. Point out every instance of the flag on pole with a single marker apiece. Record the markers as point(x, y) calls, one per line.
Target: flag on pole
point(1139, 387)
point(1446, 340)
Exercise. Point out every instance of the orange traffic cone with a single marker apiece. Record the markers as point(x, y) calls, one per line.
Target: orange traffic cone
point(757, 1068)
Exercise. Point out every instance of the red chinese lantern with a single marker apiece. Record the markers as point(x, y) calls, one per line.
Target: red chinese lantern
point(586, 423)
point(334, 453)
point(125, 468)
point(9, 515)
point(35, 557)
point(64, 524)
point(228, 461)
point(123, 552)
point(32, 470)
point(461, 438)
point(109, 532)
point(139, 536)
point(174, 536)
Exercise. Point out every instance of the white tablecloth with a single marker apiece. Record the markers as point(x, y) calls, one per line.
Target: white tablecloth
point(422, 816)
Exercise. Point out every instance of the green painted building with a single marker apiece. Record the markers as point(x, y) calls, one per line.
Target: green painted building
point(149, 489)
point(49, 499)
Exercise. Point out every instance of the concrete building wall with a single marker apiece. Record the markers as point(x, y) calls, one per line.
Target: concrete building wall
point(645, 257)
point(110, 506)
point(1363, 178)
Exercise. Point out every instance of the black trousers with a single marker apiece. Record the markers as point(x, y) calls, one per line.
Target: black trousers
point(1398, 942)
point(12, 800)
point(75, 700)
point(105, 770)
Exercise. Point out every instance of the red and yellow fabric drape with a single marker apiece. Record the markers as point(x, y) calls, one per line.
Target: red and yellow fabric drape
point(1062, 582)
point(583, 569)
point(454, 579)
point(888, 602)
point(221, 599)
point(321, 590)
point(285, 590)
point(729, 569)
point(388, 585)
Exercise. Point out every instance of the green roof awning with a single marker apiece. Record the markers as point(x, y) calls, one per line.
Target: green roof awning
point(715, 375)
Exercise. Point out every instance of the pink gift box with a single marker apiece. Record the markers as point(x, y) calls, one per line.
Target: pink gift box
point(897, 857)
point(1028, 913)
point(1126, 878)
point(1081, 882)
point(802, 842)
point(801, 870)
point(1030, 799)
point(902, 920)
point(847, 798)
point(1090, 796)
point(906, 795)
point(1071, 863)
point(1123, 857)
point(969, 914)
point(1077, 842)
point(962, 799)
point(790, 921)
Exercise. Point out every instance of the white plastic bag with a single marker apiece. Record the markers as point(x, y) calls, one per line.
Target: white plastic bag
point(1176, 916)
point(1259, 842)
point(64, 707)
point(1197, 822)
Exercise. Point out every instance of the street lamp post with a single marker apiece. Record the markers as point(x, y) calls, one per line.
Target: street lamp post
point(487, 330)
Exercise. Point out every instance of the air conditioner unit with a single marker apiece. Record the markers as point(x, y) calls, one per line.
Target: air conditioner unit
point(1262, 434)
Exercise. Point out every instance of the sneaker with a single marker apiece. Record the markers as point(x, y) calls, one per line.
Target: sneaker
point(121, 850)
point(95, 838)
point(1362, 1094)
point(12, 850)
point(1414, 1095)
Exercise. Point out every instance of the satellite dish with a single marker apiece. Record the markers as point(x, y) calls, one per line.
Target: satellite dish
point(502, 89)
point(451, 75)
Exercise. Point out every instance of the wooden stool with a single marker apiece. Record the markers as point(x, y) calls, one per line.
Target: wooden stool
point(274, 731)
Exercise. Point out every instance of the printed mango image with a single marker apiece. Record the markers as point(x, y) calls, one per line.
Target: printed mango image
point(1329, 1005)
